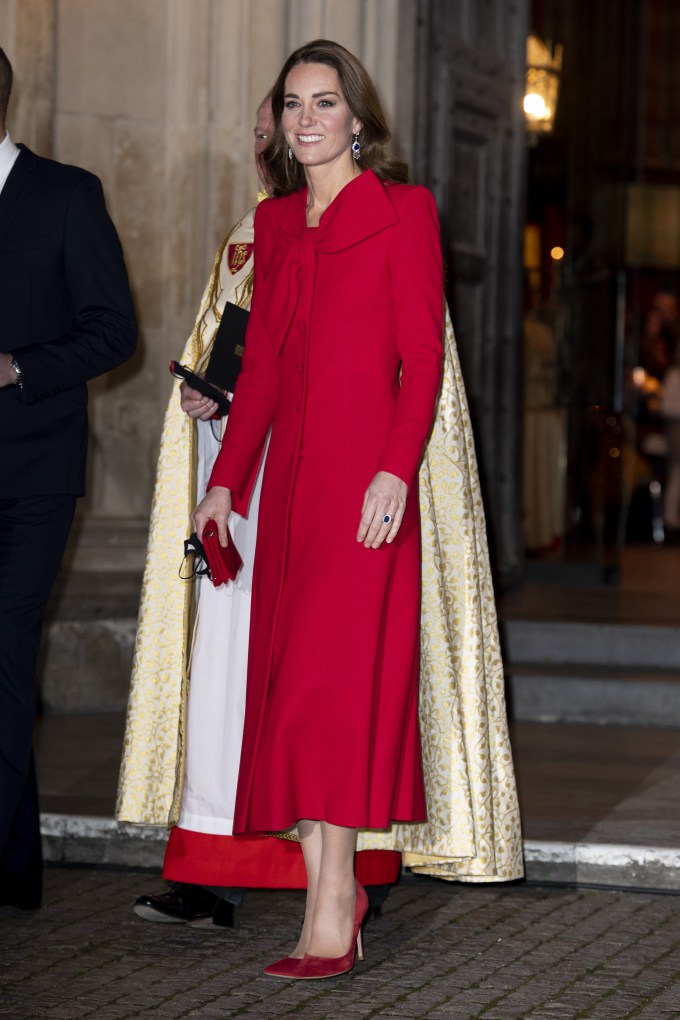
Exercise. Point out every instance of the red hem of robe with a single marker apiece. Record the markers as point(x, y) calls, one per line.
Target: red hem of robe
point(258, 862)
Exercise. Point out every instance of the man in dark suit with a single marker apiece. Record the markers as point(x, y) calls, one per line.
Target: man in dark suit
point(66, 316)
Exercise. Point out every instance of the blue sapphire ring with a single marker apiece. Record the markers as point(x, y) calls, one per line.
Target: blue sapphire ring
point(387, 519)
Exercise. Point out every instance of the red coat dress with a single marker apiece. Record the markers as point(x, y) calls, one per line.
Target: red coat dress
point(343, 360)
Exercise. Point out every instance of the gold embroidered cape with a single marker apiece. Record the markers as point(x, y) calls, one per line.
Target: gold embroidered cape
point(152, 769)
point(473, 830)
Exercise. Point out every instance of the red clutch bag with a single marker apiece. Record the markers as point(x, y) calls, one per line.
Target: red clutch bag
point(224, 563)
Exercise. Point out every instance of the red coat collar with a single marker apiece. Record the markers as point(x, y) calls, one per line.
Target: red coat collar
point(363, 208)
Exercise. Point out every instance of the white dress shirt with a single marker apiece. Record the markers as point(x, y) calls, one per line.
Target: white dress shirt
point(8, 155)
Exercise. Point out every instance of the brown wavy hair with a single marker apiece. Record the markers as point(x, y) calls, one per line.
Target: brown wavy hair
point(287, 175)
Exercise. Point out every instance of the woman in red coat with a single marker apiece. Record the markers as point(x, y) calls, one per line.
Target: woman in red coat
point(343, 360)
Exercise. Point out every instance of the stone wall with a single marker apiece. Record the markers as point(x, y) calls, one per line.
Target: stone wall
point(158, 98)
point(27, 37)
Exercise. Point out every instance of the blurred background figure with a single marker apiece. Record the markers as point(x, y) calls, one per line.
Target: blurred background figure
point(670, 410)
point(543, 480)
point(661, 334)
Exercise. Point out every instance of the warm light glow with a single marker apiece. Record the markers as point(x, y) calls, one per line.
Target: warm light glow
point(639, 376)
point(557, 253)
point(534, 106)
point(544, 64)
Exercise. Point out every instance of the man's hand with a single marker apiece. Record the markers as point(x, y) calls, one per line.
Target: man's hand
point(8, 376)
point(216, 504)
point(195, 404)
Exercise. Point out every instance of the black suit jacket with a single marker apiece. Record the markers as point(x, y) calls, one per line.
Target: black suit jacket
point(66, 315)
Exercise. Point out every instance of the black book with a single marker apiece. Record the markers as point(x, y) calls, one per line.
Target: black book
point(227, 354)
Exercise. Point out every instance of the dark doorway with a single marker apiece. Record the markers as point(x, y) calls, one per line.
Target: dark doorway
point(470, 149)
point(604, 191)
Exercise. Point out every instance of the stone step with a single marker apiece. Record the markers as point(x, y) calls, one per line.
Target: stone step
point(559, 671)
point(95, 595)
point(79, 840)
point(551, 692)
point(593, 644)
point(106, 544)
point(88, 641)
point(85, 665)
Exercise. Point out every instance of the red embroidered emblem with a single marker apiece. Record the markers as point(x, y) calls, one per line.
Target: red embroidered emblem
point(238, 255)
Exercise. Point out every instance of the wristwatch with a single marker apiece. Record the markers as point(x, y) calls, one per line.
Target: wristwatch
point(20, 375)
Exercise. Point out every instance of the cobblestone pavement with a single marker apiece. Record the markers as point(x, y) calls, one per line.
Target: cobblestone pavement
point(446, 952)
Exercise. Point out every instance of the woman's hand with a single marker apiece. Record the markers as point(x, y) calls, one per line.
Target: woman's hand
point(216, 504)
point(385, 496)
point(195, 404)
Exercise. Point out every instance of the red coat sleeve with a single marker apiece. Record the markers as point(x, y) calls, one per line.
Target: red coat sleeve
point(418, 298)
point(256, 392)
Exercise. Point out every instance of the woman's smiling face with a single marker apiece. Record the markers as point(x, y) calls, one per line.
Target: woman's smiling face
point(317, 122)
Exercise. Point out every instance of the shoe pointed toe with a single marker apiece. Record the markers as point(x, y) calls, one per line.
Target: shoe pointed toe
point(288, 967)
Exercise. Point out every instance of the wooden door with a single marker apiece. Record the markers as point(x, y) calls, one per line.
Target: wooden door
point(470, 149)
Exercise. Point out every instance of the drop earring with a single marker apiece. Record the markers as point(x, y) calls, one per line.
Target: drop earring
point(290, 152)
point(356, 147)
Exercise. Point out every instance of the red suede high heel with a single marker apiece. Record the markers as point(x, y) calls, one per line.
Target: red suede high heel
point(313, 968)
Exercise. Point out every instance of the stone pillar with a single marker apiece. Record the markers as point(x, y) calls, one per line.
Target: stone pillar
point(27, 37)
point(132, 105)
